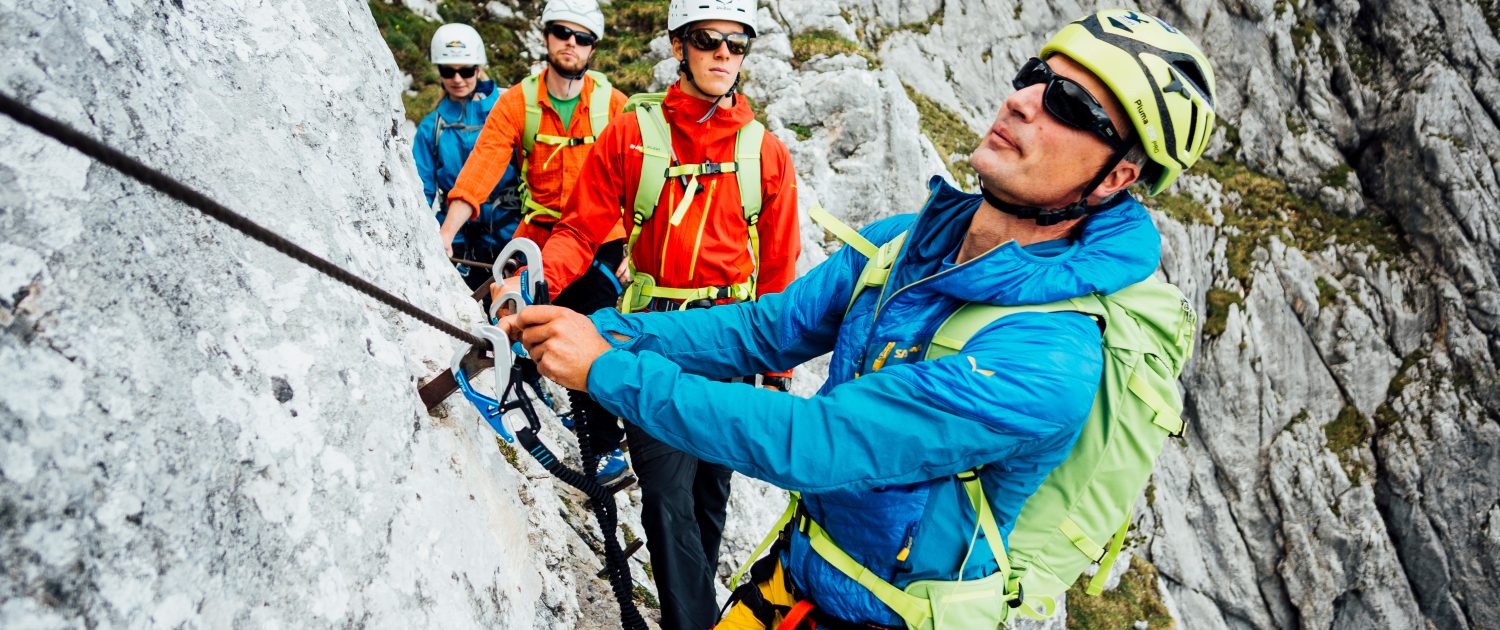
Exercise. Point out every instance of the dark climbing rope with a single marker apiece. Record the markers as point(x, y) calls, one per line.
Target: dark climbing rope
point(601, 500)
point(175, 189)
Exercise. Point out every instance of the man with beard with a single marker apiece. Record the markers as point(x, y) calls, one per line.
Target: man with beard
point(553, 130)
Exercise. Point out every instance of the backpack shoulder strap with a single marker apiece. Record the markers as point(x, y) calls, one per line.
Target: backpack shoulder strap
point(656, 152)
point(881, 257)
point(599, 103)
point(747, 143)
point(533, 121)
point(972, 317)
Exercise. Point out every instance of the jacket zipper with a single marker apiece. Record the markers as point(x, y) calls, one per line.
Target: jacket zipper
point(880, 305)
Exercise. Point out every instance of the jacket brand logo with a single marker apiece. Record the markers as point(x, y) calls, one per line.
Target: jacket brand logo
point(975, 366)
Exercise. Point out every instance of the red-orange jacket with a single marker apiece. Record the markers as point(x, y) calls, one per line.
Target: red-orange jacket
point(552, 178)
point(711, 246)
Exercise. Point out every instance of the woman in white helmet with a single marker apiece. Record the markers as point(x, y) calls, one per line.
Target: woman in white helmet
point(446, 137)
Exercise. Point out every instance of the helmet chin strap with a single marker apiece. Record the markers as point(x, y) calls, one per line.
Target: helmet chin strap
point(683, 67)
point(1053, 216)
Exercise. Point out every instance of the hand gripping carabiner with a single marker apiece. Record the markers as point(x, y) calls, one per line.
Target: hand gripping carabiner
point(491, 409)
point(524, 255)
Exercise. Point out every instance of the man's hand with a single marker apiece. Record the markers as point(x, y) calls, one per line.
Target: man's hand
point(497, 289)
point(563, 343)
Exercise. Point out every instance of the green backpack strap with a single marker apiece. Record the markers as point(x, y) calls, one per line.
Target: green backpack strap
point(599, 104)
point(765, 543)
point(747, 171)
point(656, 156)
point(533, 120)
point(882, 257)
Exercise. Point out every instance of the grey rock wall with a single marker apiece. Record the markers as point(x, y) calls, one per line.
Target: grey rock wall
point(194, 430)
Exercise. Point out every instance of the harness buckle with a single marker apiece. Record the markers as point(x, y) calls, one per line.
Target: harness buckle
point(711, 168)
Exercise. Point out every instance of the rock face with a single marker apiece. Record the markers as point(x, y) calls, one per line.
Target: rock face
point(196, 430)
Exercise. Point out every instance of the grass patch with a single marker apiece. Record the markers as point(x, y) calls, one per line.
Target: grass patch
point(1219, 301)
point(1267, 207)
point(1345, 435)
point(1337, 177)
point(509, 453)
point(825, 42)
point(628, 534)
point(952, 138)
point(1295, 126)
point(644, 597)
point(1180, 207)
point(622, 54)
point(1137, 598)
point(1327, 292)
point(802, 131)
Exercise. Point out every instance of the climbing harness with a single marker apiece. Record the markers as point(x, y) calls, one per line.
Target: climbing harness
point(659, 165)
point(511, 395)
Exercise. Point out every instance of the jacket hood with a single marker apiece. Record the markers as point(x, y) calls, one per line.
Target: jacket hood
point(1118, 246)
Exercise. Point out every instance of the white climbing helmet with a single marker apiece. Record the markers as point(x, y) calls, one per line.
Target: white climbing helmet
point(683, 12)
point(457, 45)
point(584, 13)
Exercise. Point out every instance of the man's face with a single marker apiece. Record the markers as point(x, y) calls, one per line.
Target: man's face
point(566, 54)
point(713, 70)
point(1031, 158)
point(456, 85)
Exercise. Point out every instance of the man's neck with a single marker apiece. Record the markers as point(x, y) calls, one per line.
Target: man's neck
point(990, 228)
point(561, 88)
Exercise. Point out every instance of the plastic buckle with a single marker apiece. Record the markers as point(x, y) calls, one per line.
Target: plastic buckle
point(489, 408)
point(711, 168)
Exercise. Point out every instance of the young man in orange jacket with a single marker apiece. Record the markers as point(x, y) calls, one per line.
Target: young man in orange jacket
point(554, 128)
point(693, 243)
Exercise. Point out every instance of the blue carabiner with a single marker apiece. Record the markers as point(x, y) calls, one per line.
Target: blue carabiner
point(489, 408)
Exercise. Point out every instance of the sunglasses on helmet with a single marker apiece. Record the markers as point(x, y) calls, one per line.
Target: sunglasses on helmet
point(1068, 101)
point(708, 40)
point(562, 33)
point(465, 72)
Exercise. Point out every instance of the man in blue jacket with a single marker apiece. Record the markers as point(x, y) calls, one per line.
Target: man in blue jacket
point(877, 451)
point(447, 136)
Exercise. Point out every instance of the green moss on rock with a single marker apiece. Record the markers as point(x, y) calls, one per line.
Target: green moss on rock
point(1219, 301)
point(1346, 435)
point(952, 138)
point(1136, 599)
point(825, 42)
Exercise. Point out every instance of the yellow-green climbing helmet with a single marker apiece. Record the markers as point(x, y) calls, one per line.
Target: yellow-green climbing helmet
point(1161, 77)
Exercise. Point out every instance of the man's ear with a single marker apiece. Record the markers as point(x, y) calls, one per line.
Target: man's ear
point(1124, 174)
point(677, 48)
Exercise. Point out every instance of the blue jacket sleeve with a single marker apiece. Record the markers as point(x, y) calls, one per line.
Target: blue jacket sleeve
point(1024, 383)
point(775, 333)
point(422, 152)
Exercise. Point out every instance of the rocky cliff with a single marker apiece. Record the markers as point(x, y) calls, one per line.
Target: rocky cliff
point(195, 430)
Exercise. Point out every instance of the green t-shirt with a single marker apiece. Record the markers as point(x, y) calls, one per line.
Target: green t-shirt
point(565, 109)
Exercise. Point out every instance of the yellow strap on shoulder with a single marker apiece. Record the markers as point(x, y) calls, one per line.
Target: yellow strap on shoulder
point(842, 231)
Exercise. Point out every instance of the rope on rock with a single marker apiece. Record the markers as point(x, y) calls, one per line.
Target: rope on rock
point(171, 187)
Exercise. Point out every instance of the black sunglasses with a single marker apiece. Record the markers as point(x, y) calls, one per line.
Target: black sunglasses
point(1068, 101)
point(562, 33)
point(465, 72)
point(708, 40)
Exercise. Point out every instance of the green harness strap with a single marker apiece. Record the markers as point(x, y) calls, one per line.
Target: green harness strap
point(657, 169)
point(882, 258)
point(916, 611)
point(598, 120)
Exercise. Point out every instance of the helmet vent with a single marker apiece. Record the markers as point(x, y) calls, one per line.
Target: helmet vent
point(1192, 127)
point(1188, 69)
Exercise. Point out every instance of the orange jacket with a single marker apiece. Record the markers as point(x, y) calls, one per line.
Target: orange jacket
point(551, 177)
point(710, 247)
